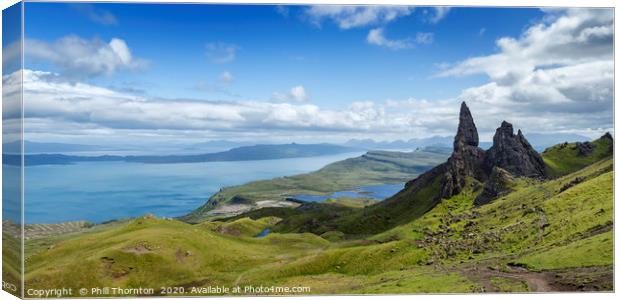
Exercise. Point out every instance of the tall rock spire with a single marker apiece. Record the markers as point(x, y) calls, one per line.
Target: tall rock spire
point(466, 159)
point(510, 152)
point(466, 134)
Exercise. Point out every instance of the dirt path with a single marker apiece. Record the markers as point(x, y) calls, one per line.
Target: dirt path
point(536, 281)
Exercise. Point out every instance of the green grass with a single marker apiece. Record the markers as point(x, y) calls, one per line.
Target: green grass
point(333, 236)
point(244, 226)
point(594, 251)
point(399, 209)
point(351, 202)
point(178, 253)
point(509, 285)
point(417, 244)
point(424, 283)
point(11, 262)
point(563, 159)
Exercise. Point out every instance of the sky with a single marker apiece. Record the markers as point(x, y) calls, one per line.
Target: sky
point(157, 73)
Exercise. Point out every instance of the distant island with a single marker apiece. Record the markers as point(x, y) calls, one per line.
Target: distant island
point(245, 153)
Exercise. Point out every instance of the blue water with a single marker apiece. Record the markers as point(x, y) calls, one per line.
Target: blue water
point(101, 191)
point(264, 233)
point(376, 192)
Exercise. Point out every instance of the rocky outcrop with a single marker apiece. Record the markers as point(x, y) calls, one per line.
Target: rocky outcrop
point(584, 149)
point(466, 134)
point(514, 154)
point(496, 186)
point(467, 158)
point(510, 155)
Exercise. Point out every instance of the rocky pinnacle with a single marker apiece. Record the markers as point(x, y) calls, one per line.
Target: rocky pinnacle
point(466, 134)
point(510, 152)
point(514, 154)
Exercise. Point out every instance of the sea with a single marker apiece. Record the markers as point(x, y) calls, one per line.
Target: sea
point(104, 191)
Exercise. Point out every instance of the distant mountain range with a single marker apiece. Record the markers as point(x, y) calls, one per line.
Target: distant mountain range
point(256, 152)
point(37, 147)
point(540, 141)
point(371, 144)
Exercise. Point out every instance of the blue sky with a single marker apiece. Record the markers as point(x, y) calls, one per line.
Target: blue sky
point(276, 52)
point(306, 73)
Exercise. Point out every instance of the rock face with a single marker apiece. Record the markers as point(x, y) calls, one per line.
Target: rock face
point(467, 158)
point(510, 155)
point(514, 154)
point(466, 134)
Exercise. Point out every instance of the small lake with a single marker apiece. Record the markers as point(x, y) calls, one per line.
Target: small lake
point(375, 192)
point(101, 191)
point(263, 233)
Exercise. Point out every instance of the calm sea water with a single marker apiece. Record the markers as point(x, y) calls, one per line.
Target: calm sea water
point(101, 191)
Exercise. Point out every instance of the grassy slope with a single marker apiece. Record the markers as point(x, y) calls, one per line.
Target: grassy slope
point(545, 226)
point(592, 251)
point(11, 262)
point(362, 221)
point(375, 167)
point(152, 252)
point(562, 159)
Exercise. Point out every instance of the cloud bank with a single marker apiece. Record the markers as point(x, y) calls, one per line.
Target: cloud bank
point(558, 75)
point(81, 57)
point(555, 77)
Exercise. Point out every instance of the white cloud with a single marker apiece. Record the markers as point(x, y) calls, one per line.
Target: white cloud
point(555, 78)
point(377, 37)
point(424, 38)
point(577, 36)
point(347, 17)
point(439, 13)
point(87, 112)
point(81, 57)
point(299, 93)
point(96, 15)
point(295, 94)
point(221, 53)
point(226, 77)
point(558, 75)
point(11, 56)
point(283, 10)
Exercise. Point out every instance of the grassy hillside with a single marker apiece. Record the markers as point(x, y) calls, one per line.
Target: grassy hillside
point(415, 200)
point(566, 158)
point(11, 258)
point(375, 167)
point(550, 235)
